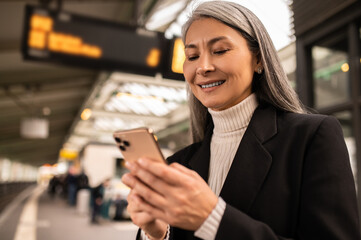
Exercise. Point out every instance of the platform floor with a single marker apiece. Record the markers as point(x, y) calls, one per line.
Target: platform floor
point(33, 215)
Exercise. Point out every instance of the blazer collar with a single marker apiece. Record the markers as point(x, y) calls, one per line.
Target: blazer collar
point(264, 123)
point(200, 160)
point(251, 163)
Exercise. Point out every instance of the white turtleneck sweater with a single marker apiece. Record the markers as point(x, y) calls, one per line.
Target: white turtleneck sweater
point(229, 128)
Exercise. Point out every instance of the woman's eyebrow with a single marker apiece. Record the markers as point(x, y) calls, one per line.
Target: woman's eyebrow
point(210, 42)
point(190, 46)
point(216, 39)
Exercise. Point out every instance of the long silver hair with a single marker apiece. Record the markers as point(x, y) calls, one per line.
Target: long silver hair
point(271, 86)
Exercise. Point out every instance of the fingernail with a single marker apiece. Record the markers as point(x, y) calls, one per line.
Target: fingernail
point(125, 178)
point(129, 165)
point(141, 161)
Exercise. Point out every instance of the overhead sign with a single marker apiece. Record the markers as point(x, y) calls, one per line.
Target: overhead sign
point(67, 38)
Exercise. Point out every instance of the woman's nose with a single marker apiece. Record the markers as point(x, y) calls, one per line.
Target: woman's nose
point(205, 66)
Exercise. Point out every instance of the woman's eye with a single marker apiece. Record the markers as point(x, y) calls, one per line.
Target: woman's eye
point(220, 52)
point(192, 58)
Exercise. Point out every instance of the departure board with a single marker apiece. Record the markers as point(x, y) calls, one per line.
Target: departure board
point(76, 40)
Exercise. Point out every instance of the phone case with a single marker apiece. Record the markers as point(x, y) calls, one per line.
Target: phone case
point(137, 143)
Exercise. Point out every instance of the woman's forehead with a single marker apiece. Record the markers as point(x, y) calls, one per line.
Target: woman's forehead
point(207, 29)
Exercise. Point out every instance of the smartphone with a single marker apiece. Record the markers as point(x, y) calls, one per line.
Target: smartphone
point(137, 143)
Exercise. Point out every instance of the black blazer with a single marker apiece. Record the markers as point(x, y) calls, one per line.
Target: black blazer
point(290, 179)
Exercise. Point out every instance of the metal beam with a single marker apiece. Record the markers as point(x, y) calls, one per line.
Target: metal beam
point(9, 78)
point(47, 96)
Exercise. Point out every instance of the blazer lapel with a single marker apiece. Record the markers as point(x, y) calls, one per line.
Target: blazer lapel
point(252, 161)
point(200, 160)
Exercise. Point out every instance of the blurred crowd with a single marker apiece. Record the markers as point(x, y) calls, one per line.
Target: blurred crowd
point(99, 202)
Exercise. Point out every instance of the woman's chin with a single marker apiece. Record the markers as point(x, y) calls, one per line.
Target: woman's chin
point(214, 106)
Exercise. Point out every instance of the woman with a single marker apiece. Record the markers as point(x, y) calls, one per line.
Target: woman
point(260, 167)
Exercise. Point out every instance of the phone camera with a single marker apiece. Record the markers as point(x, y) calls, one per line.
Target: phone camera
point(122, 144)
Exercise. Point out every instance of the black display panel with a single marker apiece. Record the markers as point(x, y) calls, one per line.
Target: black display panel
point(70, 39)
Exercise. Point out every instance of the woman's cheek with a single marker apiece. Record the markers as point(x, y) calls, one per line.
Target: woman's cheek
point(188, 75)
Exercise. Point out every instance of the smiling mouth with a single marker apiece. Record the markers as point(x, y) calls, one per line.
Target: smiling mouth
point(212, 84)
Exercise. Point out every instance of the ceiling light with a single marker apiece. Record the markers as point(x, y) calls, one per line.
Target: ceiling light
point(165, 15)
point(86, 114)
point(46, 111)
point(345, 67)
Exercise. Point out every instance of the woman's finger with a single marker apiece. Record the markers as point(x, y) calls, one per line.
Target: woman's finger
point(133, 203)
point(152, 210)
point(129, 180)
point(182, 169)
point(138, 216)
point(143, 191)
point(154, 182)
point(168, 174)
point(137, 205)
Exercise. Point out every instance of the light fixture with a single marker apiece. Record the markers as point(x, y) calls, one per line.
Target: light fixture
point(165, 15)
point(345, 67)
point(46, 111)
point(34, 128)
point(86, 114)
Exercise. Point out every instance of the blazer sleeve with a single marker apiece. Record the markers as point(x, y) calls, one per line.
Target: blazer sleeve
point(327, 204)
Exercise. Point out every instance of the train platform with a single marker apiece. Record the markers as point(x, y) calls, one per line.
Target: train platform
point(34, 215)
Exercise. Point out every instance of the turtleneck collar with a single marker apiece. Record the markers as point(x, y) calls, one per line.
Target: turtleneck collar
point(236, 117)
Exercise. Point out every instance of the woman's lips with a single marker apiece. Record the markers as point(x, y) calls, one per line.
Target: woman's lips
point(213, 84)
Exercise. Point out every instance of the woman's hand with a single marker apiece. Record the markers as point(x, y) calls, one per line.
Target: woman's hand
point(174, 194)
point(155, 229)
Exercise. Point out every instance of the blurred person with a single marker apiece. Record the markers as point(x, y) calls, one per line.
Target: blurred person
point(97, 197)
point(72, 186)
point(121, 204)
point(260, 167)
point(82, 193)
point(63, 186)
point(53, 186)
point(82, 181)
point(107, 201)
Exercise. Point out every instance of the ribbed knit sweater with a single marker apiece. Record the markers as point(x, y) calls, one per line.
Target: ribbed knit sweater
point(229, 128)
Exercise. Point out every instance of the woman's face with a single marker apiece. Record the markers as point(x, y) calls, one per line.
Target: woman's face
point(219, 67)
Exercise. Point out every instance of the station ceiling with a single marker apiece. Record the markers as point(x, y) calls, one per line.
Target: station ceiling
point(61, 93)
